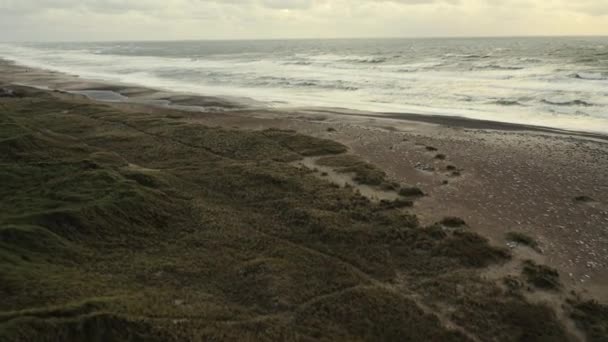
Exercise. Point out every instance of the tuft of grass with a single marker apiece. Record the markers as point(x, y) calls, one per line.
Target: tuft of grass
point(541, 276)
point(440, 156)
point(390, 186)
point(453, 222)
point(522, 239)
point(364, 173)
point(592, 318)
point(471, 250)
point(305, 145)
point(410, 191)
point(431, 148)
point(583, 199)
point(396, 204)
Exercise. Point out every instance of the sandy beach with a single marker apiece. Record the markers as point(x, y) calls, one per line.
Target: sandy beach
point(504, 180)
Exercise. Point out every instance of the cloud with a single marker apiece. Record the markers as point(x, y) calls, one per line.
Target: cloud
point(205, 19)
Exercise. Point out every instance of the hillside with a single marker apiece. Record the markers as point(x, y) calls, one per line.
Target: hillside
point(117, 225)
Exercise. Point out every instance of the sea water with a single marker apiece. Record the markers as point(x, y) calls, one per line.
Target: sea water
point(555, 82)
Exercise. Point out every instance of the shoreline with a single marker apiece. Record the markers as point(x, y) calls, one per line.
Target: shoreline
point(378, 139)
point(139, 94)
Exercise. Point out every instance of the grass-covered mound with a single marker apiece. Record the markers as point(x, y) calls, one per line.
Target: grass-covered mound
point(134, 226)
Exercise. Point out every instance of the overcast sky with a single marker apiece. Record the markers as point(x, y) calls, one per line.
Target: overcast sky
point(42, 20)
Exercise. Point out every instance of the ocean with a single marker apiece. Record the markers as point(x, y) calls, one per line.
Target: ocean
point(553, 82)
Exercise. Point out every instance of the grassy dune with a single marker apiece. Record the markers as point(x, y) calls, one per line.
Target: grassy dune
point(137, 226)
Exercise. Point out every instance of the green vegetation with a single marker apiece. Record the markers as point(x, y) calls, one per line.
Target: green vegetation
point(119, 225)
point(396, 204)
point(583, 199)
point(364, 173)
point(410, 191)
point(453, 222)
point(522, 239)
point(471, 250)
point(541, 276)
point(592, 318)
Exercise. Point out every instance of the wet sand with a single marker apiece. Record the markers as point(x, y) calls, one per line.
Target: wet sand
point(551, 185)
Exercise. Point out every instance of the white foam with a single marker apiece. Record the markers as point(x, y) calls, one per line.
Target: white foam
point(479, 89)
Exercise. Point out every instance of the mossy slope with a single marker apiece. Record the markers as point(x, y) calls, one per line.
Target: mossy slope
point(136, 226)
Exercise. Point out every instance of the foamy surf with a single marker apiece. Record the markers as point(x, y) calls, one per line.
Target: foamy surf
point(558, 83)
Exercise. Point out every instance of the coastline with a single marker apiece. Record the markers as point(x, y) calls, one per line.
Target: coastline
point(105, 91)
point(383, 139)
point(307, 247)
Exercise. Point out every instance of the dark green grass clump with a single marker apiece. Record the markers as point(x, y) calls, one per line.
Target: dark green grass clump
point(522, 239)
point(541, 276)
point(534, 322)
point(471, 250)
point(583, 199)
point(453, 222)
point(410, 191)
point(396, 204)
point(592, 318)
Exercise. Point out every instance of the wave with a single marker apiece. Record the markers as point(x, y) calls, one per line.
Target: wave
point(426, 79)
point(593, 76)
point(272, 81)
point(497, 67)
point(371, 60)
point(406, 70)
point(507, 103)
point(568, 103)
point(297, 63)
point(465, 56)
point(530, 60)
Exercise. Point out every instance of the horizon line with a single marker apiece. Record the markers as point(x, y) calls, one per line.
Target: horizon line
point(303, 38)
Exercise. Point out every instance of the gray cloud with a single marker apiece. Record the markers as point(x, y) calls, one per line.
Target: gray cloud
point(175, 19)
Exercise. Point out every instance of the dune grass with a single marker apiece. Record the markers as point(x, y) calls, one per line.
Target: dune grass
point(134, 226)
point(522, 239)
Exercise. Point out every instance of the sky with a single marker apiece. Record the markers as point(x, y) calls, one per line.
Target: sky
point(88, 20)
